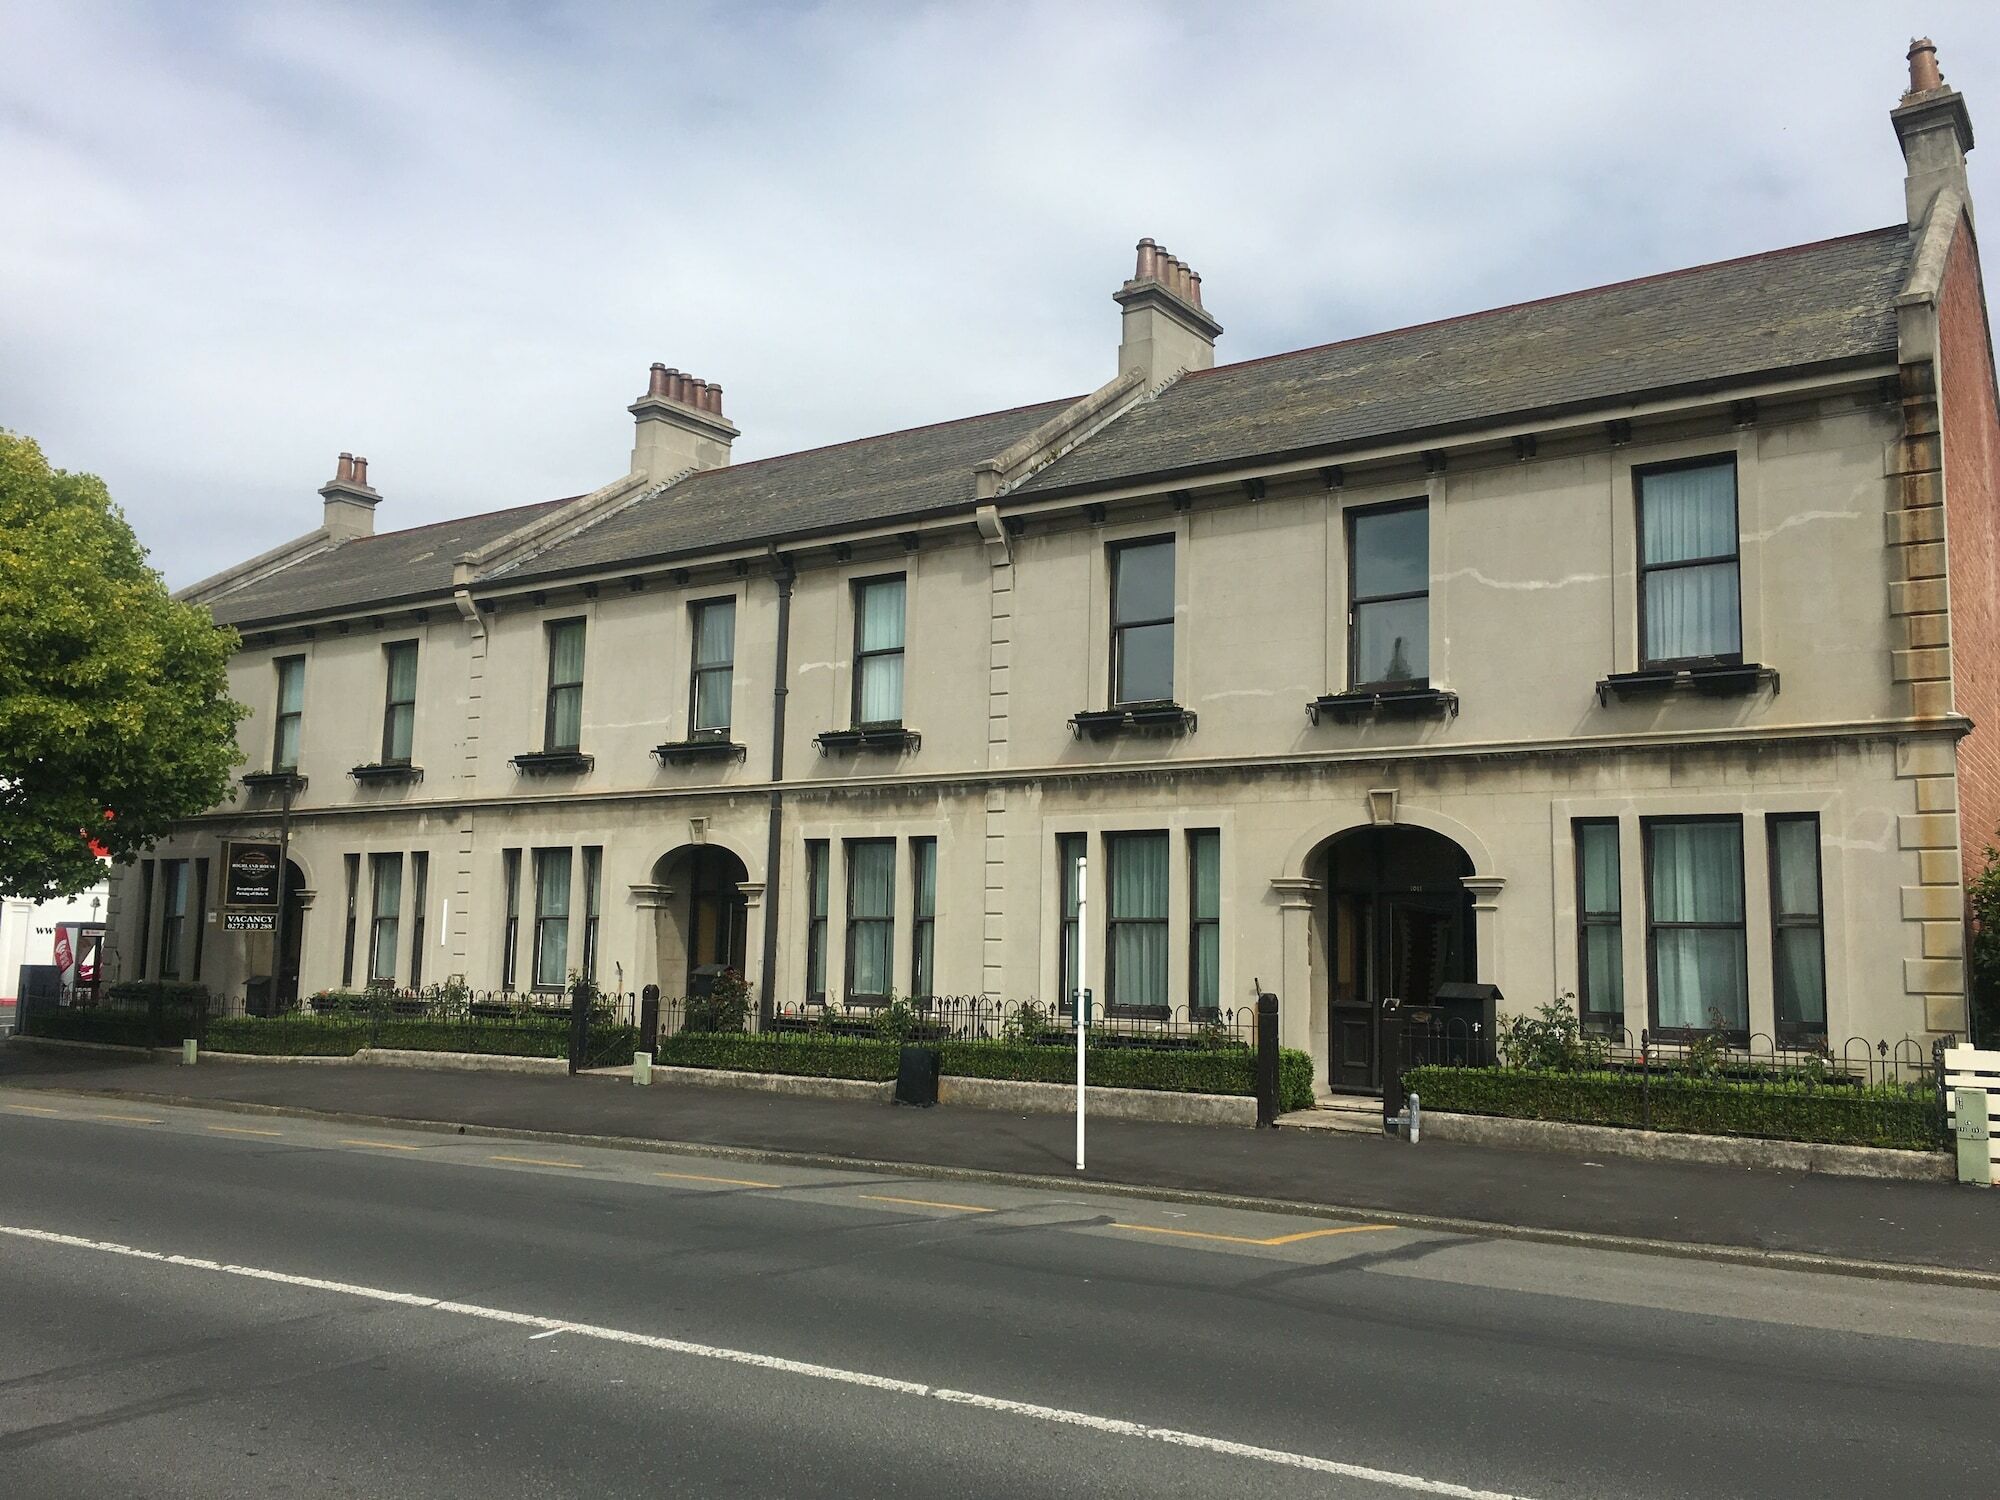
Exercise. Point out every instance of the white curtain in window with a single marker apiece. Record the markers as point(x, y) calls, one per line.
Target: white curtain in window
point(871, 896)
point(1697, 876)
point(881, 696)
point(402, 702)
point(1138, 892)
point(1691, 611)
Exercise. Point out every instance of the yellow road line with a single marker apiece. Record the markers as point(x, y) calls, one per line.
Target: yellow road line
point(383, 1145)
point(128, 1119)
point(35, 1109)
point(726, 1181)
point(243, 1130)
point(964, 1208)
point(1240, 1239)
point(537, 1161)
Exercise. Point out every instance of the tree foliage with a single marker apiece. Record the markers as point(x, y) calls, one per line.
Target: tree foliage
point(112, 694)
point(1983, 897)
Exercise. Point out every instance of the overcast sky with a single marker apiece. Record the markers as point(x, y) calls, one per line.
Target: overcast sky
point(237, 239)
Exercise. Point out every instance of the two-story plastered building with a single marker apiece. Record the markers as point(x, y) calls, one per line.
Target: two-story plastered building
point(1639, 645)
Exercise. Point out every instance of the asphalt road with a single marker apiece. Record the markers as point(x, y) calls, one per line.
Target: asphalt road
point(372, 1312)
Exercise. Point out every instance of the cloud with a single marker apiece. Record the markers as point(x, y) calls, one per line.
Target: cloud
point(238, 239)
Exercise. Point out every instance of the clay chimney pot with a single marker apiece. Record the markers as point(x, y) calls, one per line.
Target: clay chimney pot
point(361, 472)
point(1149, 256)
point(656, 380)
point(343, 472)
point(1194, 287)
point(715, 399)
point(1924, 75)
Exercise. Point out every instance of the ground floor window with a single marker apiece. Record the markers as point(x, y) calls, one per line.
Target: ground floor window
point(1695, 930)
point(1798, 945)
point(353, 917)
point(1069, 864)
point(871, 918)
point(1600, 941)
point(420, 895)
point(1135, 977)
point(510, 934)
point(551, 918)
point(386, 917)
point(923, 917)
point(1204, 921)
point(173, 915)
point(817, 881)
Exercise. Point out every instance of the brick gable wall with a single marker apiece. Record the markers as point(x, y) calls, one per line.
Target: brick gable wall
point(1970, 422)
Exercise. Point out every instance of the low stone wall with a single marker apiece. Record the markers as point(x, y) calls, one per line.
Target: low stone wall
point(1713, 1150)
point(1102, 1103)
point(772, 1083)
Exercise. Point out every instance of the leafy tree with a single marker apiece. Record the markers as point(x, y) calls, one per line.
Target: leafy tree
point(1984, 970)
point(112, 695)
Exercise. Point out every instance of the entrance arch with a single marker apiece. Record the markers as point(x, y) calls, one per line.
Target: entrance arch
point(1396, 920)
point(703, 917)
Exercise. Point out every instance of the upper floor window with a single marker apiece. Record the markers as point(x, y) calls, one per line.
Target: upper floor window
point(1689, 609)
point(1798, 959)
point(878, 650)
point(1389, 595)
point(1694, 924)
point(564, 728)
point(714, 670)
point(291, 712)
point(399, 714)
point(1142, 621)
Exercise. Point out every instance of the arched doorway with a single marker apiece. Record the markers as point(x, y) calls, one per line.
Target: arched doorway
point(1397, 923)
point(703, 917)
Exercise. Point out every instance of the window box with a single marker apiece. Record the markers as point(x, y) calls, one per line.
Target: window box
point(272, 781)
point(1720, 679)
point(869, 737)
point(553, 762)
point(700, 748)
point(1414, 702)
point(387, 771)
point(1133, 718)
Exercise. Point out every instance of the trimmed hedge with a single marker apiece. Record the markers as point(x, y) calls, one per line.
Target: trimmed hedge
point(171, 992)
point(343, 1036)
point(115, 1028)
point(1890, 1115)
point(1222, 1070)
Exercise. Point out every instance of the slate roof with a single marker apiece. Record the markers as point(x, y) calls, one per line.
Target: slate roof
point(379, 570)
point(1817, 304)
point(900, 475)
point(1821, 305)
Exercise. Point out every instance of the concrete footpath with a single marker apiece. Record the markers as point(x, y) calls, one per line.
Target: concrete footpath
point(1741, 1212)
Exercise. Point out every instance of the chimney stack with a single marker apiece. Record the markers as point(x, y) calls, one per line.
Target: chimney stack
point(350, 503)
point(1935, 131)
point(1166, 329)
point(681, 426)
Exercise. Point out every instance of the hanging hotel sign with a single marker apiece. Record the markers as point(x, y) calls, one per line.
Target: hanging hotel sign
point(249, 921)
point(250, 883)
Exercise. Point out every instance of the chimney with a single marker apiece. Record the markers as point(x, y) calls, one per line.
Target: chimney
point(681, 426)
point(1166, 330)
point(1935, 131)
point(350, 503)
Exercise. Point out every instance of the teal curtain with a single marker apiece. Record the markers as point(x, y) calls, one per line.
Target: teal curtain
point(871, 910)
point(388, 909)
point(1692, 611)
point(879, 699)
point(1602, 979)
point(551, 918)
point(1138, 919)
point(1702, 968)
point(1205, 890)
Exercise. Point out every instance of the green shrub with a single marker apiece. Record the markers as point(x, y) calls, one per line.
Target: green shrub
point(342, 1035)
point(1893, 1115)
point(800, 1053)
point(169, 992)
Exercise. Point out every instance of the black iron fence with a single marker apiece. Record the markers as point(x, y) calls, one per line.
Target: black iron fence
point(982, 1018)
point(155, 1013)
point(1860, 1091)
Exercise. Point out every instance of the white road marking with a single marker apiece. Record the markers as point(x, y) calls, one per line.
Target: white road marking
point(1061, 1416)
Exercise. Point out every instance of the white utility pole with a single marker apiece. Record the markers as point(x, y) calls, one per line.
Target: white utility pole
point(1080, 1001)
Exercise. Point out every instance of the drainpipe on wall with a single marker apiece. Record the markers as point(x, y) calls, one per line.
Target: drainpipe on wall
point(783, 574)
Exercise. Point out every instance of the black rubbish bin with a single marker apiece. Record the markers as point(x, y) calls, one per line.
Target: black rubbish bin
point(917, 1075)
